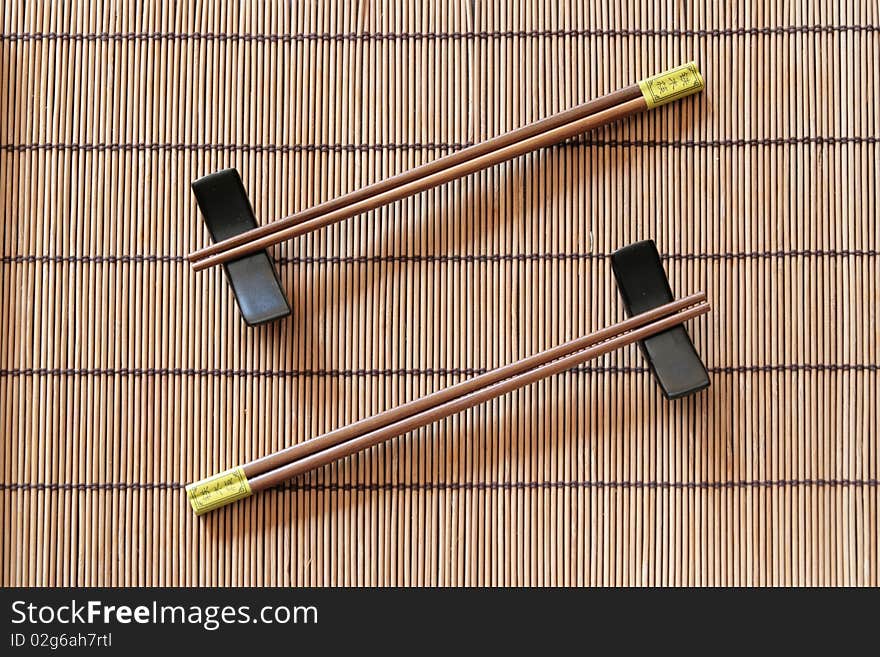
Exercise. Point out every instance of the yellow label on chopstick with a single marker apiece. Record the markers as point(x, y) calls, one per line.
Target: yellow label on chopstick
point(219, 490)
point(671, 85)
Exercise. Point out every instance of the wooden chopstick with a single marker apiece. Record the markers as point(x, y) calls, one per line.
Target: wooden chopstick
point(546, 132)
point(586, 109)
point(272, 470)
point(343, 434)
point(323, 457)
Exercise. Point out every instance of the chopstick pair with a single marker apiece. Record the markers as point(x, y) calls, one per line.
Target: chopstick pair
point(636, 269)
point(238, 239)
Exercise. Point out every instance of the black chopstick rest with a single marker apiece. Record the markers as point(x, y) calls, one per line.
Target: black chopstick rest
point(224, 204)
point(643, 285)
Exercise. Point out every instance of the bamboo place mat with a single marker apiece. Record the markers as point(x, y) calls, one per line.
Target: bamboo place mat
point(125, 375)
